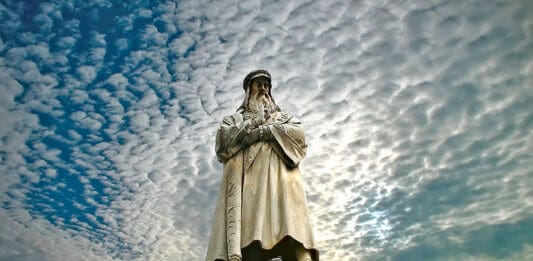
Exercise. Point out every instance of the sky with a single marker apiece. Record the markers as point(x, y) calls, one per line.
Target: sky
point(418, 116)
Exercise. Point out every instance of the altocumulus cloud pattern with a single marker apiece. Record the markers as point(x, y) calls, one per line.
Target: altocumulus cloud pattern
point(418, 116)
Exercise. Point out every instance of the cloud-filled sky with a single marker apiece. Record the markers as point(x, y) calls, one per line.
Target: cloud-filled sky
point(418, 116)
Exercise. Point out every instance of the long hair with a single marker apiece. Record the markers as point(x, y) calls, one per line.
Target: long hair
point(247, 96)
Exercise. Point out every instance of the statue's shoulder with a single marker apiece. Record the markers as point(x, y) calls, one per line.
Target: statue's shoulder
point(286, 117)
point(233, 119)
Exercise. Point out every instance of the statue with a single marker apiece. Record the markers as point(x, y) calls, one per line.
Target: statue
point(261, 211)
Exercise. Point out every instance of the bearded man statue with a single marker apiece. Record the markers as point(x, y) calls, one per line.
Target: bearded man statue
point(261, 211)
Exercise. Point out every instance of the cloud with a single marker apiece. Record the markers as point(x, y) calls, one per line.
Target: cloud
point(417, 117)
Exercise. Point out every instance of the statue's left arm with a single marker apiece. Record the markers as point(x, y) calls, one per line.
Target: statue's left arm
point(288, 141)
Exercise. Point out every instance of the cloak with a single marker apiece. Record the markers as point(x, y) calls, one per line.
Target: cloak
point(261, 197)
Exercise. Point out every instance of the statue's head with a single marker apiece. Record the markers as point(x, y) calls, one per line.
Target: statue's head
point(257, 86)
point(248, 80)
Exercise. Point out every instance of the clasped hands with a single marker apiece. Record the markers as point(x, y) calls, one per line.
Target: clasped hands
point(254, 131)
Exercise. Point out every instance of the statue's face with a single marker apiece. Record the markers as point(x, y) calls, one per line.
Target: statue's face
point(260, 86)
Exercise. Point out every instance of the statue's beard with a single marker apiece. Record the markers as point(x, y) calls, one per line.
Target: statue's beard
point(261, 103)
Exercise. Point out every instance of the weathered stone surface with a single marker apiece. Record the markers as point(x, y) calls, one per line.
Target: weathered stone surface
point(261, 206)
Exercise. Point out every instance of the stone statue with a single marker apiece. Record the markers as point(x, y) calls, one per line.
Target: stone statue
point(261, 211)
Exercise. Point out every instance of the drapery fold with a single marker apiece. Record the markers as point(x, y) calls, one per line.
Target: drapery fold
point(261, 196)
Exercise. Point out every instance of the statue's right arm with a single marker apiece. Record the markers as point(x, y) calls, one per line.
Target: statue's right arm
point(228, 138)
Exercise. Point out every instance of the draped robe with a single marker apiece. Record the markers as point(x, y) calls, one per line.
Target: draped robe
point(261, 197)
